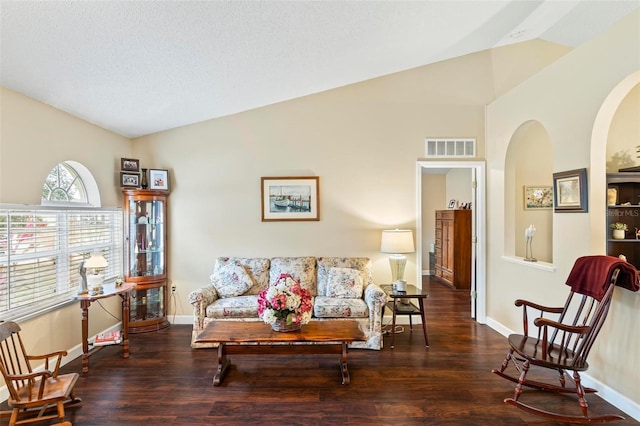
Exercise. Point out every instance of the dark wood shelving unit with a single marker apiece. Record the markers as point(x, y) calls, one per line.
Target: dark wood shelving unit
point(623, 205)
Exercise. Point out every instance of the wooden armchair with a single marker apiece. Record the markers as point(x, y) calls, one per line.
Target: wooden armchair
point(563, 344)
point(33, 395)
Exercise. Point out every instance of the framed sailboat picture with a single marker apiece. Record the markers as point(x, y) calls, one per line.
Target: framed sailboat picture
point(290, 198)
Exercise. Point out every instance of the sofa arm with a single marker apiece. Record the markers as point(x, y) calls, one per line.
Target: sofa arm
point(200, 299)
point(375, 298)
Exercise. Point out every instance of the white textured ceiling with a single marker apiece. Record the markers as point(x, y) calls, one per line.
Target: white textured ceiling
point(139, 67)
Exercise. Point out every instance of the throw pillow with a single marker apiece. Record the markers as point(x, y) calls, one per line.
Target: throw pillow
point(231, 280)
point(344, 283)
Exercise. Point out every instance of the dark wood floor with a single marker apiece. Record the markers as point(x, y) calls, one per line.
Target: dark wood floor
point(165, 382)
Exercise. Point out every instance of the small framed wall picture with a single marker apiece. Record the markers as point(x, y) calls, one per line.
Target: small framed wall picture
point(452, 204)
point(129, 180)
point(290, 198)
point(159, 179)
point(538, 197)
point(570, 191)
point(129, 165)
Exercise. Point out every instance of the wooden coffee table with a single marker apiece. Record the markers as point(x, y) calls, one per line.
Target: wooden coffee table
point(317, 337)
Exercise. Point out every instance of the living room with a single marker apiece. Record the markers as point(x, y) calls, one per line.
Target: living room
point(363, 141)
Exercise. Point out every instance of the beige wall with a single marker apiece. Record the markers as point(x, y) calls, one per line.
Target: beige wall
point(567, 99)
point(362, 140)
point(33, 139)
point(459, 186)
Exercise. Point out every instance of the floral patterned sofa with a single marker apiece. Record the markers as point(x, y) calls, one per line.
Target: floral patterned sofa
point(342, 287)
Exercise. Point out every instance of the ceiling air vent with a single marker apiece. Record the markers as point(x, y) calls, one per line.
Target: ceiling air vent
point(458, 148)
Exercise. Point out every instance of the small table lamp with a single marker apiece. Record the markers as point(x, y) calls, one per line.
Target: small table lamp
point(94, 267)
point(397, 242)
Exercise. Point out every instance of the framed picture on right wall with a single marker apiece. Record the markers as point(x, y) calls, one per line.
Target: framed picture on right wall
point(159, 179)
point(570, 191)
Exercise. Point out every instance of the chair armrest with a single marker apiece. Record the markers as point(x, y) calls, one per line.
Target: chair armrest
point(546, 322)
point(526, 304)
point(374, 294)
point(45, 374)
point(200, 299)
point(375, 298)
point(47, 357)
point(30, 379)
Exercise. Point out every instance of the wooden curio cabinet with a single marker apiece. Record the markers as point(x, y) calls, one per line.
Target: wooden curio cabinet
point(146, 257)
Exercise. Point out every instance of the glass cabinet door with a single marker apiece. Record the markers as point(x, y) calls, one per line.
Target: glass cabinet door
point(146, 238)
point(147, 305)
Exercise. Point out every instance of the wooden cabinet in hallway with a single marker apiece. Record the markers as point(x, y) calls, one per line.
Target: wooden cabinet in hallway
point(453, 247)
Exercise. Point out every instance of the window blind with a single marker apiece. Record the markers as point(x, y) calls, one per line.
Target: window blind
point(41, 250)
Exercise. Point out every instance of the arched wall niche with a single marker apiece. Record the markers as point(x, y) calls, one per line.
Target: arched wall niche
point(623, 137)
point(613, 146)
point(529, 163)
point(614, 139)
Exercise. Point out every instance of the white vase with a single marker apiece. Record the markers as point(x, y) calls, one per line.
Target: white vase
point(618, 234)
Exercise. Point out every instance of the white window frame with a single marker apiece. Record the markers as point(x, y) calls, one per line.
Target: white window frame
point(69, 235)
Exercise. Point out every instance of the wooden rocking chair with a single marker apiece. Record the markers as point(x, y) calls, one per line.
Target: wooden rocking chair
point(33, 395)
point(564, 344)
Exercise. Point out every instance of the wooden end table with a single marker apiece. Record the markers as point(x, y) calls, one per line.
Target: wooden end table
point(316, 337)
point(85, 301)
point(399, 308)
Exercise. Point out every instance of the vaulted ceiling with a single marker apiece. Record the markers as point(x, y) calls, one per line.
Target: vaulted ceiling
point(140, 67)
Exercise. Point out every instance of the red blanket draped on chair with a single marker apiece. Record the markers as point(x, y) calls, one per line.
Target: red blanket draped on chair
point(591, 275)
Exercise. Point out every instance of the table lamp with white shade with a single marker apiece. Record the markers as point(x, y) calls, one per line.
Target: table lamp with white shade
point(397, 242)
point(94, 268)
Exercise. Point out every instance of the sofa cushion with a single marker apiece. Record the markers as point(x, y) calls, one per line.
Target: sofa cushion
point(234, 307)
point(256, 267)
point(326, 263)
point(333, 307)
point(302, 269)
point(231, 280)
point(345, 283)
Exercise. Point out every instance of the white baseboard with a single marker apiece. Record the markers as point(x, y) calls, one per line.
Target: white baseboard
point(181, 319)
point(610, 395)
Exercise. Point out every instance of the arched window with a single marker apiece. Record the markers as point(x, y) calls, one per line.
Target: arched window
point(72, 184)
point(64, 184)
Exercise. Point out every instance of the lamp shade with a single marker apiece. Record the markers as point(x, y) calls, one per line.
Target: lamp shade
point(397, 241)
point(96, 260)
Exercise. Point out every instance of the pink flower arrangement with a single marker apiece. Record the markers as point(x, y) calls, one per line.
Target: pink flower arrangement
point(286, 299)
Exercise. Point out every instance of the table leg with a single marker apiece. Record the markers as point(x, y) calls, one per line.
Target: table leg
point(393, 324)
point(126, 303)
point(223, 366)
point(84, 305)
point(346, 379)
point(423, 312)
